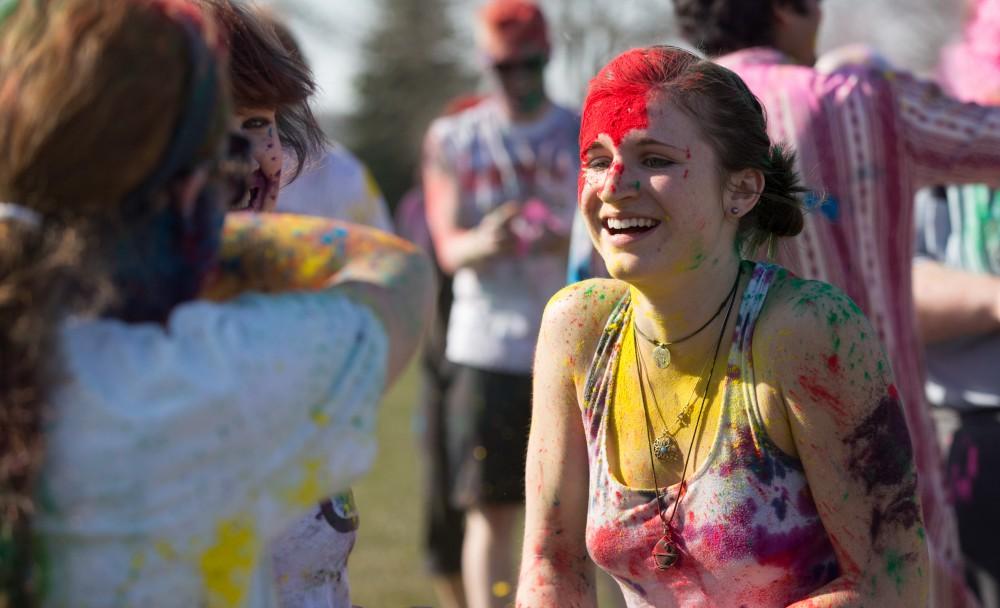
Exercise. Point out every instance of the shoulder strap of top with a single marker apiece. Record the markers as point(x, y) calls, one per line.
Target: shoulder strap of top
point(606, 349)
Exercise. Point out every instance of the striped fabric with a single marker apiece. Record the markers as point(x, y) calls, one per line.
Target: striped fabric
point(867, 140)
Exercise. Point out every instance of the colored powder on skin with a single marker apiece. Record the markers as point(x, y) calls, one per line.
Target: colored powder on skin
point(881, 453)
point(820, 393)
point(894, 564)
point(614, 106)
point(833, 364)
point(881, 458)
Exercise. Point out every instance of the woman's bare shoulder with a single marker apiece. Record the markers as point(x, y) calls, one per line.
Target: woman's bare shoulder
point(575, 317)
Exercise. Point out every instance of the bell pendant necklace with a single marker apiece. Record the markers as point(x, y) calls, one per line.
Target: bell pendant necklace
point(661, 350)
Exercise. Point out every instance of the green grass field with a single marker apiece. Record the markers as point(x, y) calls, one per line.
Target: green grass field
point(386, 568)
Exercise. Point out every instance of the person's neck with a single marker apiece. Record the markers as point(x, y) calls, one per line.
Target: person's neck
point(670, 310)
point(520, 112)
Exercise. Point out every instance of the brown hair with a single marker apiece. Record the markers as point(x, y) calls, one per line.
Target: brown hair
point(729, 117)
point(717, 27)
point(268, 73)
point(90, 95)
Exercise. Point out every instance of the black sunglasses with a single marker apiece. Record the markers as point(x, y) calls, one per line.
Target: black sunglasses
point(530, 64)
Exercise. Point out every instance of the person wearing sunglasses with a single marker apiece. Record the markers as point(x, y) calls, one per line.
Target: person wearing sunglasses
point(144, 460)
point(500, 189)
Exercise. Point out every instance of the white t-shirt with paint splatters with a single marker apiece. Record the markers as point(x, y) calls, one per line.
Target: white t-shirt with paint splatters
point(175, 453)
point(337, 186)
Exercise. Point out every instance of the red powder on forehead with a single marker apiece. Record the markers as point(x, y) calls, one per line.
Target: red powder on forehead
point(618, 96)
point(614, 111)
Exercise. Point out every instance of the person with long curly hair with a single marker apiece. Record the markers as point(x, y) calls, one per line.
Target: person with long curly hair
point(143, 459)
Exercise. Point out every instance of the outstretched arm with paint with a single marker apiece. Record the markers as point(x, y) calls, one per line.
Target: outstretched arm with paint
point(277, 253)
point(821, 367)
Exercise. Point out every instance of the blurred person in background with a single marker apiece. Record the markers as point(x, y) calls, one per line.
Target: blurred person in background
point(444, 524)
point(867, 140)
point(272, 86)
point(336, 185)
point(153, 442)
point(500, 189)
point(956, 288)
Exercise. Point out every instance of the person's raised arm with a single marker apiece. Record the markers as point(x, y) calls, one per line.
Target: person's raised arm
point(945, 140)
point(848, 427)
point(555, 569)
point(456, 245)
point(278, 252)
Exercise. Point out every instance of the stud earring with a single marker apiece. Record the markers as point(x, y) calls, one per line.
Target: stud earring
point(735, 210)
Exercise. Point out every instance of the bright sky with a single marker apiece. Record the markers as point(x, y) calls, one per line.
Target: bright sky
point(330, 32)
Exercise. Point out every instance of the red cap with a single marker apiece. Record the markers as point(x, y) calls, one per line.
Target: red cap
point(515, 24)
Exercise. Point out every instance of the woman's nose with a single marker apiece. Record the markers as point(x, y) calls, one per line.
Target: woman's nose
point(617, 184)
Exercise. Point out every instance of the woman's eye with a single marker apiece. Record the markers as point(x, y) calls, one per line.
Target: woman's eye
point(657, 162)
point(599, 163)
point(255, 123)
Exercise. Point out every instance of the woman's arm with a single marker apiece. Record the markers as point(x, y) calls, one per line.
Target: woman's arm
point(848, 427)
point(278, 252)
point(555, 568)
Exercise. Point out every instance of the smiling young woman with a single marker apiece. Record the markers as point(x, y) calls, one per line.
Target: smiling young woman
point(707, 428)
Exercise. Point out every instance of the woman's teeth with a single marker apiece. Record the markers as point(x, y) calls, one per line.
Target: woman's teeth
point(632, 222)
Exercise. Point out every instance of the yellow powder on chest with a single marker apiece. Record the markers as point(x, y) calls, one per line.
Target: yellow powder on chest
point(671, 392)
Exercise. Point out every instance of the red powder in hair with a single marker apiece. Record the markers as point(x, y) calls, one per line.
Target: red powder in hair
point(616, 103)
point(614, 109)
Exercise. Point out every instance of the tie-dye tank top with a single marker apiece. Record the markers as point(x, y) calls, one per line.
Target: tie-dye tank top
point(748, 528)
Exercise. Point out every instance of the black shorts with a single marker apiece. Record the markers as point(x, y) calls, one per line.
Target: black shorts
point(487, 419)
point(444, 525)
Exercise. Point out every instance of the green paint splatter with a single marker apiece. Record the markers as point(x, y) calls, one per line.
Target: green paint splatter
point(845, 496)
point(698, 259)
point(920, 532)
point(894, 564)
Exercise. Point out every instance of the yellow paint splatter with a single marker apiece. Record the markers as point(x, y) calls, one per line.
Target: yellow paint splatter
point(320, 418)
point(310, 488)
point(501, 589)
point(165, 550)
point(227, 565)
point(371, 187)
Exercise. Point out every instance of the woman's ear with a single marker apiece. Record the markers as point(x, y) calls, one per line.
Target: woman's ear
point(742, 192)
